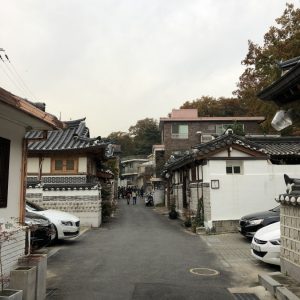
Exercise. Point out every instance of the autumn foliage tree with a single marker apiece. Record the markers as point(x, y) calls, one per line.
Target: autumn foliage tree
point(281, 42)
point(212, 107)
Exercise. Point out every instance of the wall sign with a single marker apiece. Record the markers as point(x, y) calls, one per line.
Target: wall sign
point(215, 184)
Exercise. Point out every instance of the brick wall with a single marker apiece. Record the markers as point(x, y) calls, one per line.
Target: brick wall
point(290, 240)
point(193, 138)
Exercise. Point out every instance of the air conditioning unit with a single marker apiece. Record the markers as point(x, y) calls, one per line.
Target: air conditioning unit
point(206, 138)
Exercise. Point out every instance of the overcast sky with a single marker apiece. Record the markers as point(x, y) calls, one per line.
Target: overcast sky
point(116, 62)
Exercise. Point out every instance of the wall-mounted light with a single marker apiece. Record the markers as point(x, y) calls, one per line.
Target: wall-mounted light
point(282, 119)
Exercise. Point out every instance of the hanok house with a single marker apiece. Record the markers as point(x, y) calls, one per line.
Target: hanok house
point(285, 92)
point(17, 116)
point(62, 171)
point(231, 176)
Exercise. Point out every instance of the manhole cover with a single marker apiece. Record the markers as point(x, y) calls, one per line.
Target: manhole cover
point(204, 272)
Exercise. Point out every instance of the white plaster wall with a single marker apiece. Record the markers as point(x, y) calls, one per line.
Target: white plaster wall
point(233, 153)
point(82, 165)
point(15, 134)
point(33, 165)
point(158, 196)
point(46, 165)
point(253, 191)
point(14, 248)
point(70, 193)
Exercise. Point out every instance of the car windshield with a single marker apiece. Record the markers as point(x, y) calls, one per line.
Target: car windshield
point(276, 209)
point(33, 207)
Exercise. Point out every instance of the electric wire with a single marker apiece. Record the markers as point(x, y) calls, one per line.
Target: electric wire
point(9, 77)
point(14, 76)
point(20, 78)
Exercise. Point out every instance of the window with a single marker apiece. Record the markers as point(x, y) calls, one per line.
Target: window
point(193, 176)
point(4, 170)
point(60, 165)
point(180, 131)
point(234, 167)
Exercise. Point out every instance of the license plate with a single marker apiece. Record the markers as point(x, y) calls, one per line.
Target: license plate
point(255, 247)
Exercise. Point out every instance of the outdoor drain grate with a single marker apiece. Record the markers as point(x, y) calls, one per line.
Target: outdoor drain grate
point(50, 292)
point(204, 272)
point(245, 296)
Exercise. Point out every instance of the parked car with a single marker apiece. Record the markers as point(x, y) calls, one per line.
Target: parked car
point(65, 225)
point(249, 224)
point(265, 244)
point(42, 231)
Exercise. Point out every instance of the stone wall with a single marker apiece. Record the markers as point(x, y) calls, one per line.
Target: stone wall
point(290, 240)
point(195, 195)
point(85, 204)
point(224, 226)
point(177, 192)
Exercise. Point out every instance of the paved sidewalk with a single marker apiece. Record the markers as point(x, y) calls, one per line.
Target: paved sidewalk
point(233, 252)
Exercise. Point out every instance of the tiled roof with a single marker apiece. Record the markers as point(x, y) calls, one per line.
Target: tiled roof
point(268, 147)
point(29, 108)
point(74, 136)
point(214, 119)
point(224, 141)
point(279, 145)
point(286, 89)
point(292, 197)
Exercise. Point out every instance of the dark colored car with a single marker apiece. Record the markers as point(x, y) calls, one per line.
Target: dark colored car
point(249, 224)
point(41, 230)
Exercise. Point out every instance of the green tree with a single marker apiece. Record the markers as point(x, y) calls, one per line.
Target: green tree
point(145, 134)
point(281, 42)
point(125, 141)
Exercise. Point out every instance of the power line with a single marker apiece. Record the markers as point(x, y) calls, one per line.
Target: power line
point(20, 78)
point(21, 83)
point(8, 76)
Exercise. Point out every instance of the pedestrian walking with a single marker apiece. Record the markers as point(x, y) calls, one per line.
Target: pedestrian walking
point(134, 197)
point(128, 196)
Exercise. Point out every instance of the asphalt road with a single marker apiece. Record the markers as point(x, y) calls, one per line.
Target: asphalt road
point(140, 254)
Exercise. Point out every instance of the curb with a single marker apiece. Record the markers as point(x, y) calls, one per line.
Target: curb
point(277, 289)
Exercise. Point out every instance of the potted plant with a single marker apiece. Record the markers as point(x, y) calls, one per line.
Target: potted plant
point(7, 233)
point(173, 214)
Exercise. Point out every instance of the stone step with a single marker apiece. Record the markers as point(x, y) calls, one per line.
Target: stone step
point(280, 286)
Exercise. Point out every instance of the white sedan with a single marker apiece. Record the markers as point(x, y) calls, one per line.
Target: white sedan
point(66, 225)
point(265, 244)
